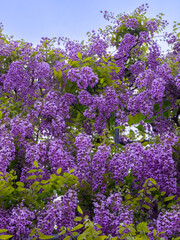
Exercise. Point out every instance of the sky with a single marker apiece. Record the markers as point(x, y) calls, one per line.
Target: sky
point(32, 19)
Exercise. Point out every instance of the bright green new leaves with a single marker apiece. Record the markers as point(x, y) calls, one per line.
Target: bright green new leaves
point(135, 119)
point(67, 238)
point(6, 188)
point(4, 236)
point(57, 74)
point(142, 227)
point(40, 234)
point(36, 164)
point(167, 199)
point(147, 182)
point(85, 230)
point(79, 226)
point(105, 59)
point(138, 233)
point(79, 209)
point(78, 219)
point(43, 236)
point(59, 170)
point(79, 55)
point(86, 60)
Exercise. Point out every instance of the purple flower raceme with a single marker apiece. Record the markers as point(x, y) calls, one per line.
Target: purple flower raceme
point(83, 77)
point(157, 89)
point(154, 162)
point(99, 168)
point(131, 23)
point(18, 221)
point(151, 26)
point(83, 145)
point(98, 46)
point(60, 212)
point(169, 223)
point(178, 81)
point(110, 213)
point(7, 150)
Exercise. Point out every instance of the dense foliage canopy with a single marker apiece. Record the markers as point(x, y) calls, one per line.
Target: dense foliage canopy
point(89, 134)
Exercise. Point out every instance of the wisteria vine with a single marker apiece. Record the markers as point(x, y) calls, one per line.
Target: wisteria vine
point(90, 134)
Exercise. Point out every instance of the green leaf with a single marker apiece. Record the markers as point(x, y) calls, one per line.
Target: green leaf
point(135, 119)
point(78, 219)
point(20, 184)
point(32, 177)
point(128, 196)
point(132, 134)
point(166, 113)
point(155, 197)
point(75, 233)
point(142, 227)
point(163, 193)
point(150, 120)
point(166, 199)
point(20, 189)
point(43, 236)
point(60, 54)
point(101, 80)
point(79, 209)
point(32, 171)
point(118, 69)
point(152, 180)
point(36, 164)
point(59, 170)
point(62, 232)
point(141, 237)
point(55, 72)
point(79, 55)
point(121, 229)
point(98, 226)
point(104, 59)
point(59, 74)
point(3, 230)
point(141, 128)
point(32, 232)
point(156, 107)
point(147, 199)
point(166, 103)
point(75, 64)
point(6, 236)
point(122, 127)
point(146, 206)
point(70, 61)
point(87, 59)
point(67, 238)
point(79, 226)
point(102, 237)
point(1, 114)
point(45, 181)
point(72, 170)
